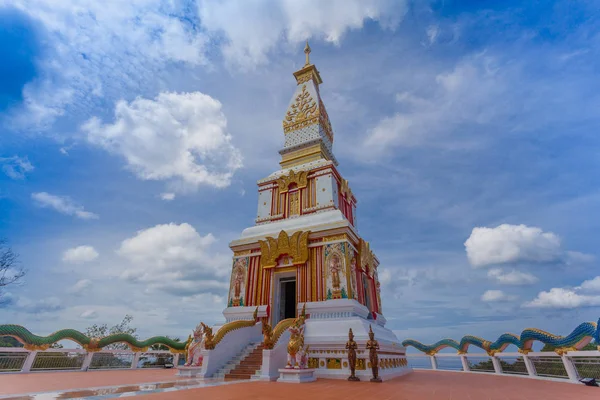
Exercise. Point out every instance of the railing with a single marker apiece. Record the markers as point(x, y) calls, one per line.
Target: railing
point(570, 367)
point(17, 359)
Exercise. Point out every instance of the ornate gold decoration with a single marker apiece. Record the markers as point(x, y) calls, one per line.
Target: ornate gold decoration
point(525, 351)
point(333, 238)
point(360, 364)
point(295, 246)
point(345, 189)
point(276, 333)
point(302, 113)
point(299, 178)
point(324, 120)
point(313, 362)
point(211, 341)
point(564, 350)
point(294, 203)
point(42, 347)
point(138, 349)
point(92, 346)
point(208, 336)
point(334, 363)
point(366, 255)
point(322, 363)
point(345, 365)
point(241, 253)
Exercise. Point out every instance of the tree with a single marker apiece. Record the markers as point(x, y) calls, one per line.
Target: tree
point(10, 270)
point(589, 346)
point(99, 331)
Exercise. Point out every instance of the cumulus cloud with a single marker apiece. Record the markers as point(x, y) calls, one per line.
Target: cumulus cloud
point(16, 167)
point(496, 296)
point(562, 298)
point(253, 28)
point(592, 285)
point(512, 243)
point(513, 277)
point(179, 138)
point(98, 49)
point(80, 286)
point(80, 254)
point(176, 259)
point(62, 204)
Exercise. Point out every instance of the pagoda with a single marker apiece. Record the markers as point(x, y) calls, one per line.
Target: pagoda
point(305, 250)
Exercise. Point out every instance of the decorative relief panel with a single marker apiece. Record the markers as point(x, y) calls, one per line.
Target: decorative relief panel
point(239, 277)
point(299, 178)
point(335, 271)
point(366, 256)
point(302, 113)
point(295, 247)
point(352, 256)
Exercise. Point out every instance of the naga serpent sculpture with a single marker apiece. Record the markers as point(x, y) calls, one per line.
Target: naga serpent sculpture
point(579, 338)
point(34, 342)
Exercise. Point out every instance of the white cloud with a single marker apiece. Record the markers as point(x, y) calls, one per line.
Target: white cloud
point(16, 167)
point(62, 204)
point(89, 314)
point(512, 243)
point(496, 296)
point(80, 286)
point(591, 285)
point(253, 28)
point(562, 298)
point(167, 196)
point(80, 254)
point(42, 305)
point(179, 138)
point(176, 259)
point(465, 95)
point(513, 277)
point(98, 49)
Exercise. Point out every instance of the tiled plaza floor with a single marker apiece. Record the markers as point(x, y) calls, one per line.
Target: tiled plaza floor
point(419, 385)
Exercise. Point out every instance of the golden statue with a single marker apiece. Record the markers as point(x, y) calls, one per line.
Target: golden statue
point(351, 346)
point(373, 346)
point(267, 332)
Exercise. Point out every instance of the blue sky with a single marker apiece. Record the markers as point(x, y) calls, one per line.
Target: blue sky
point(132, 137)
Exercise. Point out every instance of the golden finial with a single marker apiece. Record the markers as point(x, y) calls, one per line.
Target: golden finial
point(307, 52)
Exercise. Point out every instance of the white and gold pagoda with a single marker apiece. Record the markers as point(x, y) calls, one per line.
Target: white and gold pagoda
point(305, 249)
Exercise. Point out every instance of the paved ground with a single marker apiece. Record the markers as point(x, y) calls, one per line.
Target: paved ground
point(416, 386)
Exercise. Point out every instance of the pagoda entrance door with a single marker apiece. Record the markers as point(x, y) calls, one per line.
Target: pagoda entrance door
point(285, 298)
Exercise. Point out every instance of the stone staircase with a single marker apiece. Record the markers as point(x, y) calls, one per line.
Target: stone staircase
point(246, 364)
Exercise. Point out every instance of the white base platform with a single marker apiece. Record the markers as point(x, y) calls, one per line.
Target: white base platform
point(291, 375)
point(189, 372)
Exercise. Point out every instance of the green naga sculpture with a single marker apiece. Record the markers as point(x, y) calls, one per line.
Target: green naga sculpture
point(34, 342)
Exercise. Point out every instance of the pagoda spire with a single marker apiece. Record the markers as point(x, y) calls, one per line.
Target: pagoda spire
point(308, 132)
point(308, 71)
point(307, 52)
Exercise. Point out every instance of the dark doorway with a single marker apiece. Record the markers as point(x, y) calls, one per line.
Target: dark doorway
point(287, 298)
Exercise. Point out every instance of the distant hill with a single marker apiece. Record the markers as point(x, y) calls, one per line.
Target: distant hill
point(7, 341)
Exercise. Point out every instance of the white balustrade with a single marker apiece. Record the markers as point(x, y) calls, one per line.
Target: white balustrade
point(19, 360)
point(570, 367)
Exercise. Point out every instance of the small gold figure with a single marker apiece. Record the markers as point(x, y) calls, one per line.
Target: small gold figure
point(373, 346)
point(351, 346)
